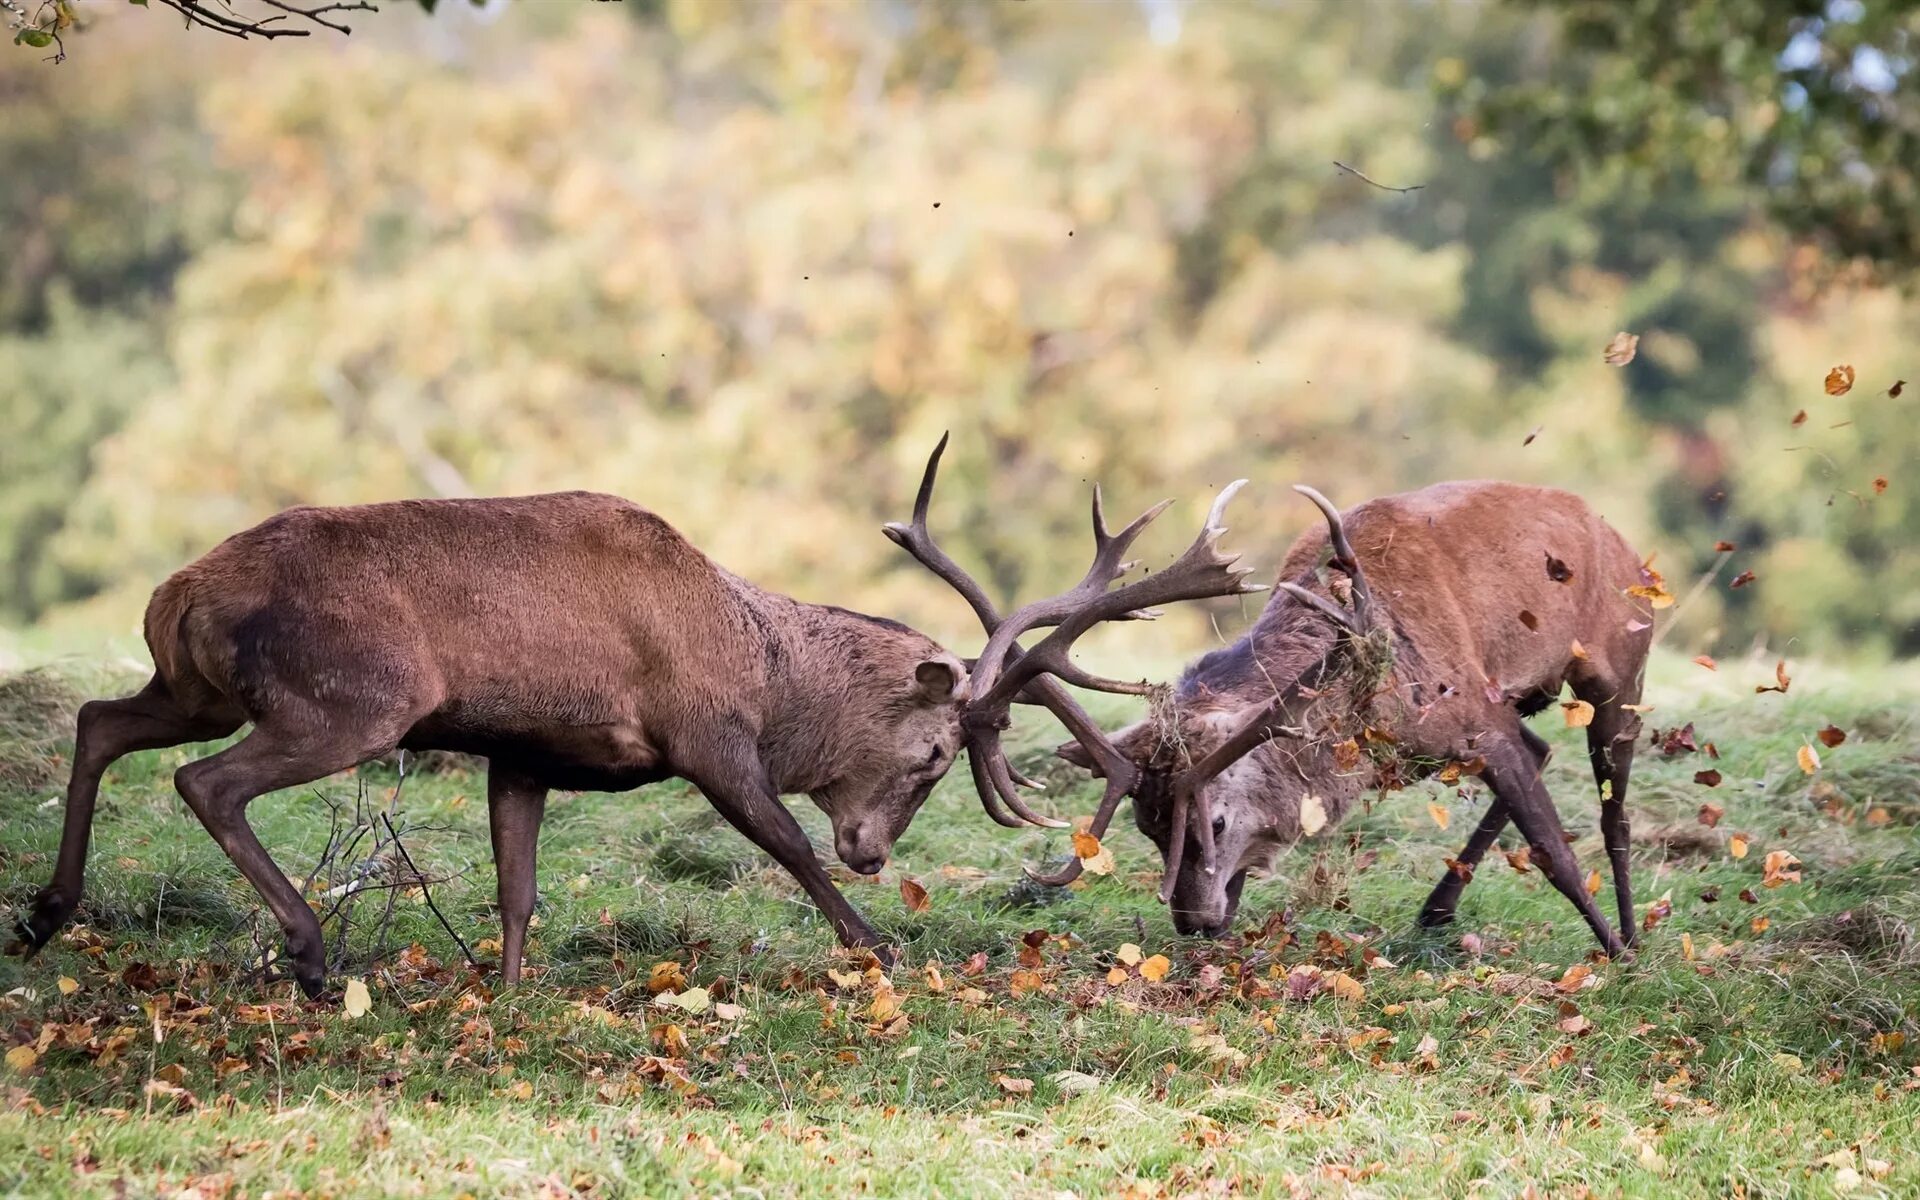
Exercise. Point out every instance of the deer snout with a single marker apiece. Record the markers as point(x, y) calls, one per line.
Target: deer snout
point(1209, 915)
point(861, 851)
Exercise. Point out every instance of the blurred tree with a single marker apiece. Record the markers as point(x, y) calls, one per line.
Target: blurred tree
point(1808, 104)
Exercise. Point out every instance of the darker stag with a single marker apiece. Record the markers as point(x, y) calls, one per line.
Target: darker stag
point(1443, 617)
point(575, 640)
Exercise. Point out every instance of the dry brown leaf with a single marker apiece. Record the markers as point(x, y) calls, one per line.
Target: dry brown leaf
point(1529, 620)
point(1579, 713)
point(1346, 987)
point(1710, 814)
point(1799, 419)
point(1439, 814)
point(1520, 860)
point(1741, 580)
point(1707, 778)
point(1621, 348)
point(1781, 868)
point(1085, 846)
point(1832, 736)
point(1706, 660)
point(913, 893)
point(1899, 385)
point(1575, 978)
point(1593, 884)
point(1013, 1085)
point(1840, 380)
point(1781, 680)
point(1759, 924)
point(1879, 484)
point(666, 977)
point(1725, 547)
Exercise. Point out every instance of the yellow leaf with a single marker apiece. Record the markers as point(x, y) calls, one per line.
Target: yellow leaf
point(1085, 846)
point(22, 1058)
point(1620, 349)
point(1809, 759)
point(1686, 946)
point(1116, 976)
point(1593, 884)
point(1313, 815)
point(68, 985)
point(359, 1001)
point(1346, 987)
point(1840, 380)
point(1099, 864)
point(1155, 969)
point(1439, 814)
point(1737, 845)
point(666, 977)
point(1129, 954)
point(1579, 714)
point(693, 1000)
point(885, 1006)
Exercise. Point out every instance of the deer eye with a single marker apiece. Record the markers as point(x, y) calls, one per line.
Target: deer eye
point(1219, 826)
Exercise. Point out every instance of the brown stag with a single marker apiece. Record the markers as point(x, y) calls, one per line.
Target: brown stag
point(1443, 618)
point(576, 641)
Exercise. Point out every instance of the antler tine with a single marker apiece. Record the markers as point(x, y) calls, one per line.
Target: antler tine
point(918, 541)
point(1344, 556)
point(989, 795)
point(1334, 612)
point(1201, 571)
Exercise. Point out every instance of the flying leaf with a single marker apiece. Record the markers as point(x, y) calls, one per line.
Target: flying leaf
point(1780, 868)
point(1741, 580)
point(1520, 860)
point(1313, 815)
point(1529, 620)
point(1899, 385)
point(1593, 884)
point(914, 894)
point(1725, 547)
point(1578, 651)
point(359, 1001)
point(1579, 713)
point(1707, 778)
point(1782, 680)
point(1706, 660)
point(1737, 845)
point(1154, 969)
point(1879, 484)
point(1832, 736)
point(1710, 814)
point(1808, 758)
point(1620, 349)
point(1840, 380)
point(1439, 814)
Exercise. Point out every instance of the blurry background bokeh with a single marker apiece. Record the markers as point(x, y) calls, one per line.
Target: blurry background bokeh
point(745, 263)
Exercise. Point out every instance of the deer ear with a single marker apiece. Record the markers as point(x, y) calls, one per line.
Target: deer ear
point(1076, 754)
point(939, 680)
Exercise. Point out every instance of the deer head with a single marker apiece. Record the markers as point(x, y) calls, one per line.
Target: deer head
point(1005, 673)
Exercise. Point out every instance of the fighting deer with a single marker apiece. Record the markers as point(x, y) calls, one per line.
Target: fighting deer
point(575, 641)
point(1442, 618)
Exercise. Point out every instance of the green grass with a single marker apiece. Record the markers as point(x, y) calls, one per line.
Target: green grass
point(1763, 1065)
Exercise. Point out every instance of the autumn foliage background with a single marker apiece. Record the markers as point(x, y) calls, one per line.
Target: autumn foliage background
point(744, 265)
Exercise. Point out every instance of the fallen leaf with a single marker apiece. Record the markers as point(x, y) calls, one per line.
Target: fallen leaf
point(1831, 736)
point(1155, 969)
point(1439, 814)
point(1022, 982)
point(1085, 846)
point(1657, 912)
point(358, 1002)
point(1128, 954)
point(1576, 1025)
point(1313, 815)
point(1741, 580)
point(1558, 571)
point(68, 985)
point(1620, 349)
point(1710, 814)
point(1781, 869)
point(666, 977)
point(1575, 978)
point(1759, 924)
point(1706, 660)
point(1878, 817)
point(1013, 1085)
point(1686, 946)
point(1840, 380)
point(1737, 845)
point(693, 1000)
point(1346, 755)
point(729, 1012)
point(1074, 1082)
point(1116, 976)
point(1346, 987)
point(1579, 713)
point(1808, 758)
point(20, 1059)
point(1707, 778)
point(914, 894)
point(1747, 896)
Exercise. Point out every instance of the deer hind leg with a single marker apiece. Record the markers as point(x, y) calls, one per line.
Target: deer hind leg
point(280, 753)
point(1610, 744)
point(515, 806)
point(105, 731)
point(1440, 905)
point(1513, 773)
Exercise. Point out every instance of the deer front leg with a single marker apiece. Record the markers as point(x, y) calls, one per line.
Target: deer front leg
point(516, 804)
point(1513, 773)
point(1439, 908)
point(742, 794)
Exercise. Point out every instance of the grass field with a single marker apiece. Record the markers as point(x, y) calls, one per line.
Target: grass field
point(1763, 1044)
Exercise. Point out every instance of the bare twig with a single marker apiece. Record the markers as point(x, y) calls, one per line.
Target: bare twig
point(1363, 177)
point(235, 25)
point(427, 892)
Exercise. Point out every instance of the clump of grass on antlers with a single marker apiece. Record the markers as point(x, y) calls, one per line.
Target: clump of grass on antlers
point(36, 719)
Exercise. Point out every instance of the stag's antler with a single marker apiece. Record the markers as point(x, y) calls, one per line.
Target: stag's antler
point(1005, 674)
